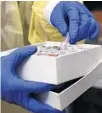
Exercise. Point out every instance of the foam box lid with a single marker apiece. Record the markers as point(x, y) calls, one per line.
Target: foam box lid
point(62, 68)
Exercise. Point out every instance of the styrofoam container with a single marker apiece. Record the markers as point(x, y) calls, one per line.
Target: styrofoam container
point(60, 69)
point(56, 70)
point(67, 96)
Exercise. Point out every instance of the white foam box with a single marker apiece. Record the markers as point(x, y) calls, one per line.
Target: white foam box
point(63, 99)
point(62, 68)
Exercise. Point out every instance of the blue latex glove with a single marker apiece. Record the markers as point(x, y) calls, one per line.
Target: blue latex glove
point(75, 18)
point(16, 90)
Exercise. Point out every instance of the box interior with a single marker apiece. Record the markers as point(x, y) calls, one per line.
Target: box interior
point(60, 88)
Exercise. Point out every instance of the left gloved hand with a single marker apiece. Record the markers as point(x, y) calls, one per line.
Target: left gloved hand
point(72, 17)
point(16, 90)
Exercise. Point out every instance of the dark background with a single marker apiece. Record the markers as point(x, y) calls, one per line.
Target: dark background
point(93, 5)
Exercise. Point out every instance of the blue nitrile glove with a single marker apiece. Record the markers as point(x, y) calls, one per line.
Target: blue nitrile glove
point(72, 17)
point(16, 90)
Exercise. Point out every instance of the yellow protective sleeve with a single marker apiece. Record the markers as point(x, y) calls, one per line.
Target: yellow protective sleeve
point(40, 30)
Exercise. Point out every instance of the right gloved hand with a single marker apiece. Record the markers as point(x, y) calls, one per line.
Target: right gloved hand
point(72, 17)
point(16, 90)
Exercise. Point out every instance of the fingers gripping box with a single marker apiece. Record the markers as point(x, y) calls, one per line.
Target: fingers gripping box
point(55, 66)
point(75, 68)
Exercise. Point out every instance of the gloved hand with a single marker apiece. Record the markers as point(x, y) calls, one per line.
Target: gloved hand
point(75, 18)
point(16, 90)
